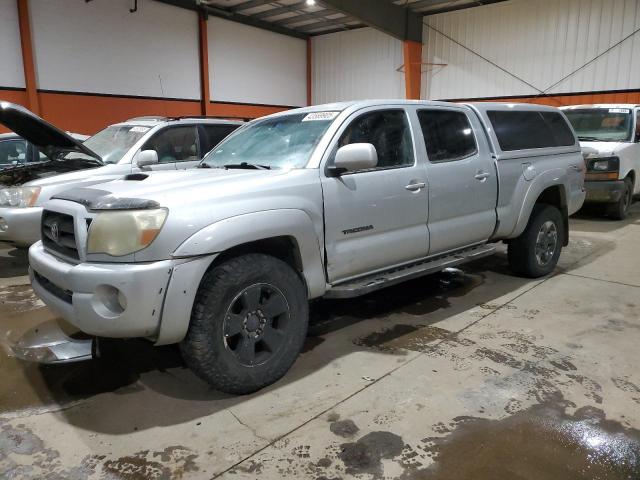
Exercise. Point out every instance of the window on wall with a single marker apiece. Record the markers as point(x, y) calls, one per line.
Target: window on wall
point(447, 134)
point(388, 131)
point(175, 144)
point(523, 130)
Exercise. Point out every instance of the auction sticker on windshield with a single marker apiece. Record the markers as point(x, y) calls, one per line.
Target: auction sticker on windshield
point(618, 110)
point(316, 116)
point(139, 129)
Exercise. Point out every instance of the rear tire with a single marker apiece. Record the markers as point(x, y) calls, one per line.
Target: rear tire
point(536, 251)
point(619, 210)
point(248, 324)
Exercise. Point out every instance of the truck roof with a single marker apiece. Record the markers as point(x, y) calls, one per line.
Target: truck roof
point(601, 105)
point(152, 121)
point(358, 104)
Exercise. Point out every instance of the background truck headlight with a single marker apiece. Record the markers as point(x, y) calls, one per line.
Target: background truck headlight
point(19, 197)
point(123, 232)
point(603, 168)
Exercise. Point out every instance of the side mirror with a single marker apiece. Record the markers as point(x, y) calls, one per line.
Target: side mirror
point(353, 157)
point(146, 157)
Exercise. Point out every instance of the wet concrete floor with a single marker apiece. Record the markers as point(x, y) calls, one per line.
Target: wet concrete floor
point(467, 374)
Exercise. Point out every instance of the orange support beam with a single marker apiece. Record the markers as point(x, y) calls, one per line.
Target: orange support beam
point(412, 69)
point(27, 56)
point(205, 96)
point(309, 71)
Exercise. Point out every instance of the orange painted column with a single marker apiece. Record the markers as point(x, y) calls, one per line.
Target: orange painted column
point(27, 56)
point(205, 96)
point(309, 71)
point(412, 69)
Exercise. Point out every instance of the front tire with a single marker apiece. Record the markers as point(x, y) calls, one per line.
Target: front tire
point(248, 324)
point(536, 251)
point(619, 210)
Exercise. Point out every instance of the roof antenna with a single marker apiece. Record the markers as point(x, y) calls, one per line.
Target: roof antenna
point(135, 7)
point(164, 98)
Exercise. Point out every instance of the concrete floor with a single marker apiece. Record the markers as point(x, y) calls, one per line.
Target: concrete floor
point(463, 375)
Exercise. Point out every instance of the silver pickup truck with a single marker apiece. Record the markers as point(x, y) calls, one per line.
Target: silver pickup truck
point(334, 200)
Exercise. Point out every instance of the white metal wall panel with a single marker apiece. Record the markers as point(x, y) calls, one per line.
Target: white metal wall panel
point(539, 41)
point(100, 47)
point(251, 65)
point(11, 72)
point(356, 64)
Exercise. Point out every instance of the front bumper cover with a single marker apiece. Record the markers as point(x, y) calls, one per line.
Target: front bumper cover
point(119, 300)
point(607, 191)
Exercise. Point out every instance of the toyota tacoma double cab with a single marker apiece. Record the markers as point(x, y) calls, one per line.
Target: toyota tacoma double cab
point(334, 200)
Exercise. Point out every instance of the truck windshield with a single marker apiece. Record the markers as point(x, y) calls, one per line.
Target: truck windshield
point(279, 142)
point(601, 124)
point(112, 143)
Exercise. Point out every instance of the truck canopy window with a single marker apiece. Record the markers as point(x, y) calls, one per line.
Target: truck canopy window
point(447, 134)
point(524, 130)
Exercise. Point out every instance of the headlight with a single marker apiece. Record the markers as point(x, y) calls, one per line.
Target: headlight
point(602, 168)
point(123, 232)
point(19, 197)
point(603, 164)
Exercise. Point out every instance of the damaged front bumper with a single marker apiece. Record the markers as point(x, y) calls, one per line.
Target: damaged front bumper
point(49, 343)
point(150, 300)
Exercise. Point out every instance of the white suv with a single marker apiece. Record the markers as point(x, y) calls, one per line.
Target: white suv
point(138, 144)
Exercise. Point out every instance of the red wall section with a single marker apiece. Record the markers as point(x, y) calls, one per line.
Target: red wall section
point(86, 113)
point(571, 99)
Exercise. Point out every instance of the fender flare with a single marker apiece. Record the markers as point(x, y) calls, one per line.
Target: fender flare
point(234, 231)
point(548, 179)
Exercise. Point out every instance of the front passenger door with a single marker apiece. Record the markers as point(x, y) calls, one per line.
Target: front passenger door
point(376, 218)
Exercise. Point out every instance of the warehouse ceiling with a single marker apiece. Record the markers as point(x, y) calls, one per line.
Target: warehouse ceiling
point(303, 18)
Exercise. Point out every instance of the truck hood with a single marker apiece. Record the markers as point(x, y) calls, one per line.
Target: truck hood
point(169, 188)
point(601, 149)
point(50, 140)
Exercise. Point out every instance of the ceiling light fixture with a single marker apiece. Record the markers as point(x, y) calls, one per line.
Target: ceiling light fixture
point(311, 3)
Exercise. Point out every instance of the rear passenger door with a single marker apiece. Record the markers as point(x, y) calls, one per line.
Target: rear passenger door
point(463, 186)
point(174, 145)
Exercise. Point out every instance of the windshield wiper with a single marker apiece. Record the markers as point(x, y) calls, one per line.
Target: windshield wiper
point(247, 166)
point(590, 139)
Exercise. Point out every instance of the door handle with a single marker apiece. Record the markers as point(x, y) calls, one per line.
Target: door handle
point(414, 187)
point(482, 175)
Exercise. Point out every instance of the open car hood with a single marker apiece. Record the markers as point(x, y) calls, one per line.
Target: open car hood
point(50, 140)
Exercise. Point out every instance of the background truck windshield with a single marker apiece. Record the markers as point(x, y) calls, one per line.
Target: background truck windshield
point(601, 124)
point(279, 142)
point(113, 142)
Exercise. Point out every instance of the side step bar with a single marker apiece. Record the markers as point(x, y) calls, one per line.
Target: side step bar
point(371, 283)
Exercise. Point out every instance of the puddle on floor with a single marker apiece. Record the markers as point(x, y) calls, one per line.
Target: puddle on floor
point(540, 443)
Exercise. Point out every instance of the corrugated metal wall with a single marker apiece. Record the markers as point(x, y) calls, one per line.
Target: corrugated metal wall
point(100, 47)
point(251, 65)
point(539, 41)
point(356, 64)
point(11, 73)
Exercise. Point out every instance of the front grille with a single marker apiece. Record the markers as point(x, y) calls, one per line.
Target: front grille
point(58, 234)
point(53, 289)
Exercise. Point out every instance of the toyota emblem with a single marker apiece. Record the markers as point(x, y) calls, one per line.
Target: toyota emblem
point(55, 232)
